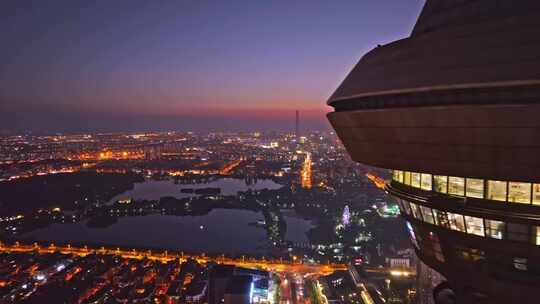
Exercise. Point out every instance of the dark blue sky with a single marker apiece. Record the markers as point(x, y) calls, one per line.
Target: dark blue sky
point(138, 65)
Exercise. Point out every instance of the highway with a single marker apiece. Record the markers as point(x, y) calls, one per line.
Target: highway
point(305, 174)
point(166, 256)
point(379, 182)
point(230, 167)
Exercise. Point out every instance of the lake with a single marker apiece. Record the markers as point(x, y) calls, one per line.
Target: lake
point(154, 189)
point(220, 231)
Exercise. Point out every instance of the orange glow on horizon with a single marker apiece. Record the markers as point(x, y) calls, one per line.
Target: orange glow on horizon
point(266, 111)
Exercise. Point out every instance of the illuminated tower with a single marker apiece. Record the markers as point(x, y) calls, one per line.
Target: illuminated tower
point(346, 216)
point(454, 111)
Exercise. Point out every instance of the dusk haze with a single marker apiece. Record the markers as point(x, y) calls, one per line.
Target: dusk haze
point(269, 152)
point(139, 65)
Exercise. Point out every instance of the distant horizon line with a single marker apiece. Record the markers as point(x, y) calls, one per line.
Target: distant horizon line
point(148, 132)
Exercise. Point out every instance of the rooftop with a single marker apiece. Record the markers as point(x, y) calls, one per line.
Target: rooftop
point(454, 45)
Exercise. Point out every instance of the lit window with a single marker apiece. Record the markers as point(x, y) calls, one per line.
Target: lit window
point(415, 180)
point(475, 187)
point(426, 181)
point(398, 176)
point(537, 235)
point(519, 192)
point(494, 229)
point(470, 254)
point(517, 232)
point(456, 185)
point(536, 194)
point(428, 216)
point(441, 183)
point(456, 222)
point(407, 178)
point(496, 190)
point(441, 218)
point(475, 225)
point(415, 212)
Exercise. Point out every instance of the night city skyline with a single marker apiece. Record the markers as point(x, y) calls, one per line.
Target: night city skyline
point(269, 152)
point(75, 66)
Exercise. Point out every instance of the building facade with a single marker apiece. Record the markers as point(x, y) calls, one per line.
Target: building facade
point(454, 111)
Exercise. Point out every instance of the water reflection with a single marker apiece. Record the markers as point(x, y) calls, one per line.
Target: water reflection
point(231, 231)
point(222, 231)
point(154, 189)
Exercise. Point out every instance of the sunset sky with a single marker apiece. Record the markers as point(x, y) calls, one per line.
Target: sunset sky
point(73, 66)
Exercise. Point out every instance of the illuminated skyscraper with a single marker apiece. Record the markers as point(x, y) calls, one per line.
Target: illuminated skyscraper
point(346, 216)
point(454, 111)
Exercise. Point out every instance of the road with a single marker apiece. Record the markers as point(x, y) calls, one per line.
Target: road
point(298, 289)
point(286, 291)
point(305, 174)
point(292, 289)
point(165, 256)
point(230, 167)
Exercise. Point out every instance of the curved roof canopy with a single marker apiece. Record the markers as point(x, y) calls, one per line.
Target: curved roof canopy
point(455, 44)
